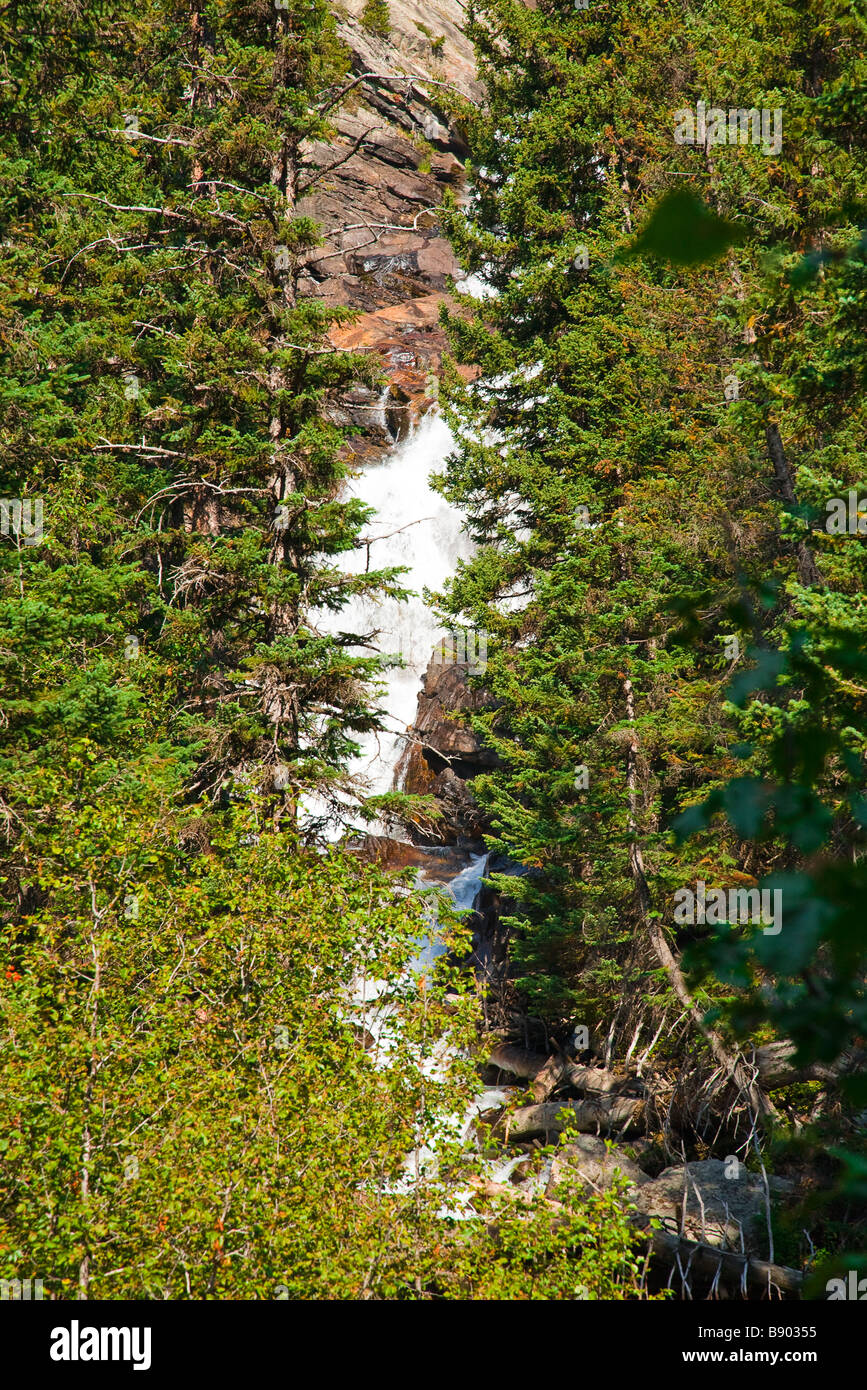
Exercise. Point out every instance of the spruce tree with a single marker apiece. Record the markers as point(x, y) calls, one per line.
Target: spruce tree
point(667, 399)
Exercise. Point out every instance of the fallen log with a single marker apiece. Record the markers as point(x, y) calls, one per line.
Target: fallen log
point(550, 1077)
point(597, 1115)
point(774, 1063)
point(740, 1270)
point(550, 1072)
point(517, 1061)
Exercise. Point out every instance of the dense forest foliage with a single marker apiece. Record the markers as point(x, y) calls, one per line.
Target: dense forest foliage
point(654, 464)
point(669, 398)
point(189, 1105)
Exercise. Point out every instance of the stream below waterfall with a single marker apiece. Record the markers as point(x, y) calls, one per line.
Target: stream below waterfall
point(416, 528)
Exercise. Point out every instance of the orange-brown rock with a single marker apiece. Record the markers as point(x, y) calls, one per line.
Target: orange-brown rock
point(374, 189)
point(440, 864)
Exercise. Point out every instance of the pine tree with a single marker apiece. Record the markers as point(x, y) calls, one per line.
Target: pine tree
point(185, 383)
point(192, 1108)
point(585, 466)
point(640, 464)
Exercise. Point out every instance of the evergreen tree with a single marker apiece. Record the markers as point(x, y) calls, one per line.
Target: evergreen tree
point(183, 448)
point(668, 361)
point(189, 1105)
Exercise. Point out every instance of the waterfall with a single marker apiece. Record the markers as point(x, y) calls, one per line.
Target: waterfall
point(414, 527)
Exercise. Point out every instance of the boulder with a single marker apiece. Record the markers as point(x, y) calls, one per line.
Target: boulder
point(698, 1201)
point(592, 1164)
point(694, 1202)
point(439, 863)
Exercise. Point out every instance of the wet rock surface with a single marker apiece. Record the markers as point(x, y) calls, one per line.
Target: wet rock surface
point(443, 754)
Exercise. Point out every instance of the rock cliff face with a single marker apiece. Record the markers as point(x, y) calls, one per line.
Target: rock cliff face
point(375, 191)
point(376, 195)
point(446, 691)
point(443, 753)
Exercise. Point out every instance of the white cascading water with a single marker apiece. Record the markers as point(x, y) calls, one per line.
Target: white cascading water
point(412, 527)
point(415, 527)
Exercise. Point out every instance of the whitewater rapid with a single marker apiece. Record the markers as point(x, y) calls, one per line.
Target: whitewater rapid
point(414, 527)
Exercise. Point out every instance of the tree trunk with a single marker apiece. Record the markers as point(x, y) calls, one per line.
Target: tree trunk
point(732, 1062)
point(550, 1072)
point(774, 1065)
point(601, 1115)
point(729, 1268)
